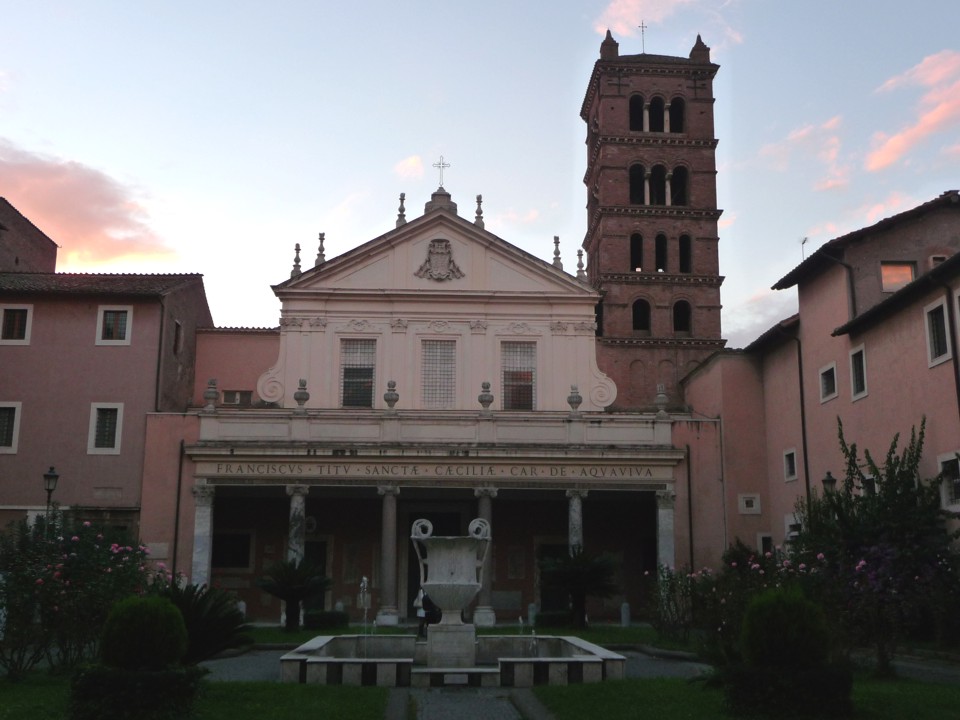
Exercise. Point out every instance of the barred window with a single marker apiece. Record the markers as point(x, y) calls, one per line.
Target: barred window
point(357, 365)
point(114, 325)
point(105, 435)
point(14, 324)
point(438, 373)
point(8, 419)
point(518, 361)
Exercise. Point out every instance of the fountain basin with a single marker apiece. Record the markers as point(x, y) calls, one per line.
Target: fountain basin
point(401, 661)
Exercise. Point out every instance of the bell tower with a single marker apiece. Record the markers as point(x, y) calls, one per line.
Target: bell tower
point(651, 240)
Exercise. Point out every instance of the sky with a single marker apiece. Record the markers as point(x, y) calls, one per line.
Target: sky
point(211, 137)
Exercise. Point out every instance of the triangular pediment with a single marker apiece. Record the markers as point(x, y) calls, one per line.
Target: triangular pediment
point(438, 253)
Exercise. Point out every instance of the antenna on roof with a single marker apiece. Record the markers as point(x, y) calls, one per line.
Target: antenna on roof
point(803, 242)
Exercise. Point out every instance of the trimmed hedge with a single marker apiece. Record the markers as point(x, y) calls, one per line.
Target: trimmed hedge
point(325, 620)
point(143, 633)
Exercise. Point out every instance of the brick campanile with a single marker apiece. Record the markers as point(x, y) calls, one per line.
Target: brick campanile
point(651, 240)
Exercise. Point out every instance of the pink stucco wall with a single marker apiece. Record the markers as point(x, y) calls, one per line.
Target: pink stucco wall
point(235, 358)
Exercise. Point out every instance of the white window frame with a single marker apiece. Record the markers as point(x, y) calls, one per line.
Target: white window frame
point(236, 398)
point(945, 493)
point(29, 327)
point(17, 410)
point(129, 328)
point(854, 395)
point(342, 367)
point(749, 504)
point(934, 361)
point(92, 449)
point(791, 527)
point(831, 368)
point(534, 383)
point(787, 477)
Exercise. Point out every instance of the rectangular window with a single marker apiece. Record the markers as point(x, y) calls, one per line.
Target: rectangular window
point(9, 427)
point(894, 275)
point(357, 365)
point(114, 324)
point(438, 373)
point(828, 382)
point(518, 363)
point(938, 345)
point(790, 465)
point(15, 329)
point(106, 424)
point(239, 398)
point(858, 373)
point(950, 472)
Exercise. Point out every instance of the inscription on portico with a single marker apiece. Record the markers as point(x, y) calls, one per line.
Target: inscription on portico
point(432, 472)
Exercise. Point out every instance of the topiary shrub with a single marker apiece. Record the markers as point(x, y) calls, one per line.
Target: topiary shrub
point(144, 640)
point(143, 633)
point(786, 669)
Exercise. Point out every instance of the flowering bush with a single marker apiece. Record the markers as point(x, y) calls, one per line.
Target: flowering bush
point(58, 587)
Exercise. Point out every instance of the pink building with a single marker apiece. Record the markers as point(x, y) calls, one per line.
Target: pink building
point(873, 345)
point(84, 359)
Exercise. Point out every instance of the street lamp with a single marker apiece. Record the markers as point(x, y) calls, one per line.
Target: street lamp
point(50, 484)
point(829, 482)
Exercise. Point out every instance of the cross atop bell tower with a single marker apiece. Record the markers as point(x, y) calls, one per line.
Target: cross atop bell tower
point(652, 238)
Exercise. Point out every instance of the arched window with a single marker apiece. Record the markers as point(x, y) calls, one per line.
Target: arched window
point(681, 317)
point(678, 186)
point(656, 114)
point(658, 185)
point(677, 113)
point(636, 112)
point(637, 176)
point(636, 252)
point(661, 253)
point(685, 254)
point(641, 316)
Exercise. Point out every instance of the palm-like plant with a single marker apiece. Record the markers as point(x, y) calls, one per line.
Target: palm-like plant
point(214, 622)
point(294, 583)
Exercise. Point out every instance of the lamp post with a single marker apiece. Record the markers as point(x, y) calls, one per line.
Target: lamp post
point(829, 482)
point(49, 484)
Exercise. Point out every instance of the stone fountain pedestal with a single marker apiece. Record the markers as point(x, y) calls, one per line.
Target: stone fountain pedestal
point(451, 573)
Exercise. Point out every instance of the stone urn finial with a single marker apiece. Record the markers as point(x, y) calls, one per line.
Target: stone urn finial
point(211, 395)
point(485, 398)
point(391, 396)
point(574, 399)
point(301, 396)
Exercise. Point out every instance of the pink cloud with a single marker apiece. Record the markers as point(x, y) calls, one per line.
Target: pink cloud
point(94, 218)
point(409, 167)
point(820, 141)
point(938, 110)
point(623, 17)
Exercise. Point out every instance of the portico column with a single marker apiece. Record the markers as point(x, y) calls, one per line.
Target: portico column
point(666, 552)
point(387, 614)
point(297, 532)
point(669, 194)
point(202, 534)
point(484, 616)
point(575, 520)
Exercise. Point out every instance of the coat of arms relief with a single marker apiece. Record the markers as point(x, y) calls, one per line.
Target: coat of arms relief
point(439, 264)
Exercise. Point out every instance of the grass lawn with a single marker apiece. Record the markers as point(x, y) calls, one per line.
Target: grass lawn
point(674, 699)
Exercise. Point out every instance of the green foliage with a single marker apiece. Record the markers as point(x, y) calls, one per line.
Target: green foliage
point(213, 621)
point(889, 565)
point(144, 633)
point(672, 612)
point(294, 583)
point(581, 576)
point(58, 583)
point(771, 692)
point(325, 620)
point(112, 693)
point(783, 630)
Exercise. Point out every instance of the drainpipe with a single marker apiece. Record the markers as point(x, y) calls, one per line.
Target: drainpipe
point(689, 505)
point(176, 515)
point(803, 412)
point(851, 287)
point(156, 388)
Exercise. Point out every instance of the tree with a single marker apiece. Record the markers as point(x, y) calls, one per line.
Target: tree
point(886, 542)
point(581, 576)
point(294, 583)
